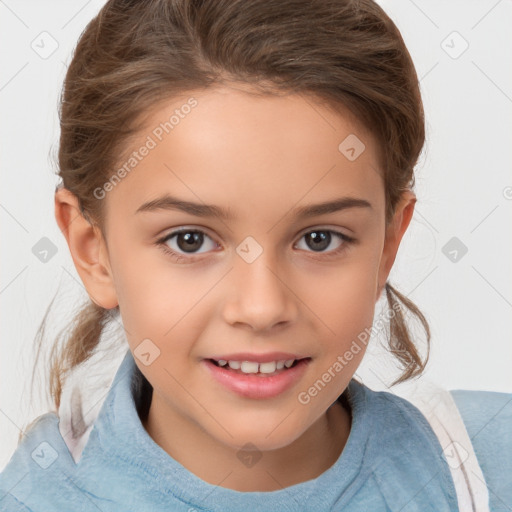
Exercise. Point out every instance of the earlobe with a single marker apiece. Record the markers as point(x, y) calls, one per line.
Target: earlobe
point(394, 233)
point(87, 249)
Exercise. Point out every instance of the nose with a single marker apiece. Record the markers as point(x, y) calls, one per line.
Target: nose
point(262, 298)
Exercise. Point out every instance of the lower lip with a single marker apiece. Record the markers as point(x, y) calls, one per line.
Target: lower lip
point(257, 386)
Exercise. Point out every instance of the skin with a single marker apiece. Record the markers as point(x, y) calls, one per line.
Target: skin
point(261, 157)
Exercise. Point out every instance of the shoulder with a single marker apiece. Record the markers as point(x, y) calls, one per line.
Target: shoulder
point(487, 416)
point(485, 411)
point(397, 424)
point(40, 455)
point(397, 411)
point(404, 453)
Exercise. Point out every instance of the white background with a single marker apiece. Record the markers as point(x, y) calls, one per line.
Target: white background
point(464, 190)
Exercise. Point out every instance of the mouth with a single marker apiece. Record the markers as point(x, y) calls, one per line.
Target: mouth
point(257, 380)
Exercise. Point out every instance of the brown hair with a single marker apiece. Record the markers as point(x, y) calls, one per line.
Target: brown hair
point(133, 55)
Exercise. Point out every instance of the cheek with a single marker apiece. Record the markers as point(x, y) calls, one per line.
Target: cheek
point(139, 286)
point(163, 305)
point(148, 287)
point(344, 297)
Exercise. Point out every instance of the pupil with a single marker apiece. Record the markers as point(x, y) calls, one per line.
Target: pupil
point(323, 238)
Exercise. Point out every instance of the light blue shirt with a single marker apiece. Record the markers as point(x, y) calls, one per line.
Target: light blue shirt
point(392, 461)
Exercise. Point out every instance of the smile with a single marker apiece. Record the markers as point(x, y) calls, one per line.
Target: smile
point(255, 380)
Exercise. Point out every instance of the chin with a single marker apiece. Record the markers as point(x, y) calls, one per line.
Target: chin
point(262, 438)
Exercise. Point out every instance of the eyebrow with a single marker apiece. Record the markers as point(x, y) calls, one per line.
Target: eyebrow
point(168, 202)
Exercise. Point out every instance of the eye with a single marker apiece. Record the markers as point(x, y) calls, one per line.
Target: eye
point(187, 241)
point(320, 239)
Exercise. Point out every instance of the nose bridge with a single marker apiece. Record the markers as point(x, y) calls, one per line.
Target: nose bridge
point(261, 297)
point(256, 268)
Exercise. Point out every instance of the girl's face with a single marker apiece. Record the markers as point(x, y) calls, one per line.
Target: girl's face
point(270, 274)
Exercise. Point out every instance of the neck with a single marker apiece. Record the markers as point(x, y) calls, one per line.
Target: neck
point(306, 458)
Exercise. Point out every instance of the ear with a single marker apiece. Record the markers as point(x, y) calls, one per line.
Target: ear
point(88, 249)
point(394, 233)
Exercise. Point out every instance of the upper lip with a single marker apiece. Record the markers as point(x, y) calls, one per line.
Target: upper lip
point(258, 358)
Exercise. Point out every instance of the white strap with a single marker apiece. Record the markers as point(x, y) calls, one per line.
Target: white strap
point(82, 397)
point(440, 410)
point(72, 425)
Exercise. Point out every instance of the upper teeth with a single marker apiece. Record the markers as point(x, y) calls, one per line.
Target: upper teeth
point(254, 367)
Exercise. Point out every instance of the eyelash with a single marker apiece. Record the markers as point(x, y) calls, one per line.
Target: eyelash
point(161, 243)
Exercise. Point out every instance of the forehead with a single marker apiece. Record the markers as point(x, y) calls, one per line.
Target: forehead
point(247, 152)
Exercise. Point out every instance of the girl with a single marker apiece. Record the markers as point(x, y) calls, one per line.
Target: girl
point(236, 181)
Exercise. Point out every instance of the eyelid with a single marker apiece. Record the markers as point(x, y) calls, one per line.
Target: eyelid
point(185, 228)
point(323, 227)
